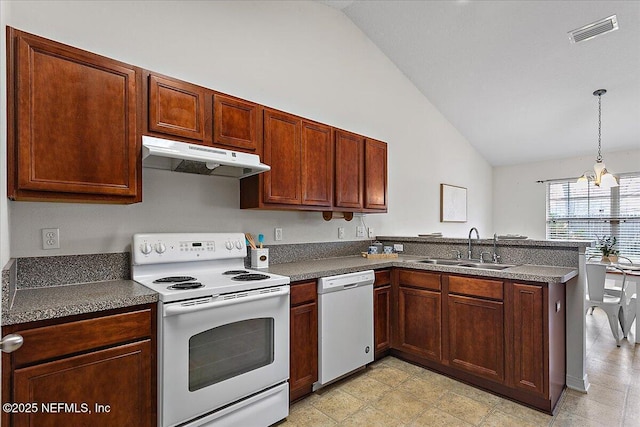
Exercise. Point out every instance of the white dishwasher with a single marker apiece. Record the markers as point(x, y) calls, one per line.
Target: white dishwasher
point(345, 324)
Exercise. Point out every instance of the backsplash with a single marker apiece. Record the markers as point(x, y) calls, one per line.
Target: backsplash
point(280, 254)
point(39, 272)
point(36, 272)
point(510, 252)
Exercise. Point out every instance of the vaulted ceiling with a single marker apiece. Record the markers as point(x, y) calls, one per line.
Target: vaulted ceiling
point(505, 74)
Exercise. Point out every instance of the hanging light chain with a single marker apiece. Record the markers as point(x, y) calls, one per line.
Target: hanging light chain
point(599, 158)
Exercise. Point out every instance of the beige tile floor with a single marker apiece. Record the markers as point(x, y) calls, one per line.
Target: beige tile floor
point(391, 392)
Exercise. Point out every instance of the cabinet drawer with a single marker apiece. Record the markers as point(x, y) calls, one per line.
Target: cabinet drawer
point(476, 287)
point(303, 292)
point(67, 338)
point(420, 279)
point(383, 277)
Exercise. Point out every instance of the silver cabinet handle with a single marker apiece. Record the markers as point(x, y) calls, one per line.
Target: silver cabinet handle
point(11, 342)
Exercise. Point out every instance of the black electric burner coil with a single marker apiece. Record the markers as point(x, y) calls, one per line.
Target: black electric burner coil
point(186, 285)
point(250, 277)
point(174, 279)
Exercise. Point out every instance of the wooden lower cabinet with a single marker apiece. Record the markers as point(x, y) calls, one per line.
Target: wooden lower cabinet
point(476, 336)
point(419, 315)
point(97, 371)
point(419, 328)
point(503, 336)
point(109, 387)
point(382, 313)
point(303, 339)
point(528, 349)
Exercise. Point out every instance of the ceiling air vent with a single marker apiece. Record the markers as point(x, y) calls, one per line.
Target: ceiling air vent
point(594, 29)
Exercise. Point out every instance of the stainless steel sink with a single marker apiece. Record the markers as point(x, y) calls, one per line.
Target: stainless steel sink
point(485, 265)
point(462, 263)
point(440, 261)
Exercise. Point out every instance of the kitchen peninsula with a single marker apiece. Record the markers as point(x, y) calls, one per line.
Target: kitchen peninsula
point(439, 314)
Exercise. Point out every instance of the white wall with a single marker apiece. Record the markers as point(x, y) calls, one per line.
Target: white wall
point(519, 202)
point(301, 57)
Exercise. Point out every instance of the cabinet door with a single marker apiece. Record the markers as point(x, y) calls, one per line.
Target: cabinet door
point(375, 175)
point(381, 319)
point(317, 164)
point(176, 108)
point(528, 338)
point(476, 336)
point(303, 359)
point(349, 170)
point(119, 377)
point(282, 152)
point(419, 320)
point(75, 124)
point(235, 123)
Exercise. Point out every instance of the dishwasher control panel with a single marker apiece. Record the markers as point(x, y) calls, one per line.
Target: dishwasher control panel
point(345, 281)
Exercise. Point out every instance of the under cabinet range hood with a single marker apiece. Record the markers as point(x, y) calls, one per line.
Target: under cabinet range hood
point(161, 153)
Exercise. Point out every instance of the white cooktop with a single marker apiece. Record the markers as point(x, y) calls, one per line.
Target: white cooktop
point(201, 256)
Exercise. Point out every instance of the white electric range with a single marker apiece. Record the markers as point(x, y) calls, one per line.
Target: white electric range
point(223, 330)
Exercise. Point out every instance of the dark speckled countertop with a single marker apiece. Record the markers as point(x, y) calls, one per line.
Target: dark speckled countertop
point(32, 304)
point(27, 304)
point(306, 270)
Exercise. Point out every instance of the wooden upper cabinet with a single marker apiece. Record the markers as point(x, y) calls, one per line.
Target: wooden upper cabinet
point(317, 164)
point(176, 108)
point(235, 123)
point(282, 151)
point(71, 124)
point(349, 170)
point(375, 178)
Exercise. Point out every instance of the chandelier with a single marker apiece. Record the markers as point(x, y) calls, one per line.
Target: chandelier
point(600, 176)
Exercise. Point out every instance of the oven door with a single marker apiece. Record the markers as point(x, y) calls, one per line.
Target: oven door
point(216, 352)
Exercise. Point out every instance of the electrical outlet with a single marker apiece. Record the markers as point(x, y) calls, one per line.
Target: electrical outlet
point(398, 247)
point(50, 238)
point(360, 231)
point(340, 232)
point(278, 234)
point(371, 234)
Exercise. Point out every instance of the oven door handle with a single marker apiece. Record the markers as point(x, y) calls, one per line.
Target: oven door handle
point(172, 310)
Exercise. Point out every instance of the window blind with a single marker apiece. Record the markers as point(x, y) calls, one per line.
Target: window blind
point(585, 213)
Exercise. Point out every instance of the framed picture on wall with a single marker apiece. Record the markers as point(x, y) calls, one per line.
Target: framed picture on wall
point(453, 203)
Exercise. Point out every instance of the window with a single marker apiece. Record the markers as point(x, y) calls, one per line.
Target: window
point(583, 214)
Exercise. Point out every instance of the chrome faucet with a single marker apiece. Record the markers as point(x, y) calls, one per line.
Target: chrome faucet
point(477, 238)
point(496, 257)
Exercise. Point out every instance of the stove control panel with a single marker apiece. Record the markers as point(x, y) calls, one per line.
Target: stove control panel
point(156, 248)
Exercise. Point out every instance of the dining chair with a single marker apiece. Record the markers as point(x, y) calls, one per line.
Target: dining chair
point(617, 307)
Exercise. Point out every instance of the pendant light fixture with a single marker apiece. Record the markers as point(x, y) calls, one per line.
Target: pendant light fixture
point(601, 177)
